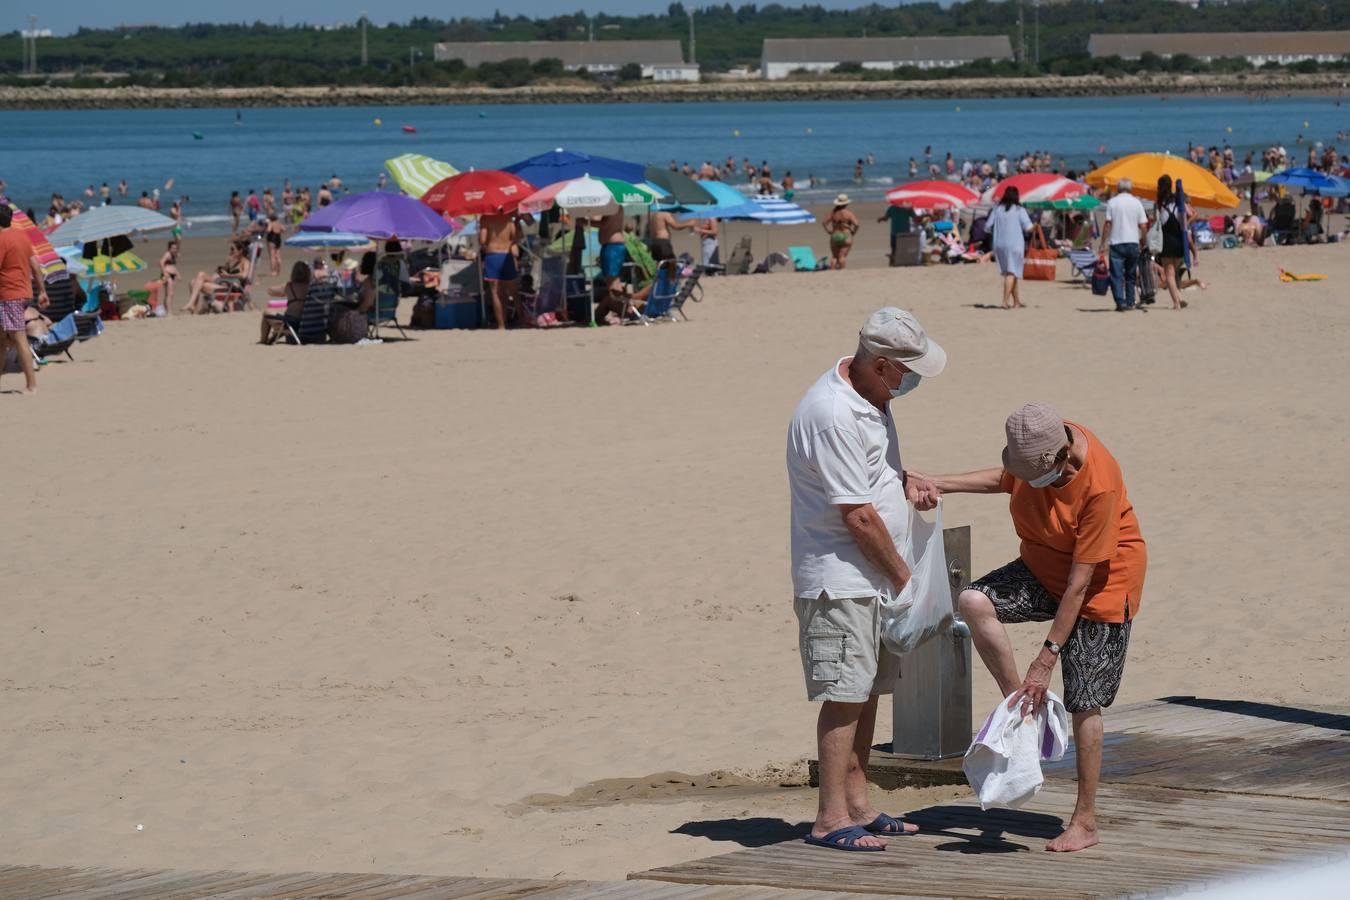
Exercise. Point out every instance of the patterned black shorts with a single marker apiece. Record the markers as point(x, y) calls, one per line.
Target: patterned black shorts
point(1093, 657)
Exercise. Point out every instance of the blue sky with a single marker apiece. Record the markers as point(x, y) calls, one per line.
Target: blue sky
point(72, 14)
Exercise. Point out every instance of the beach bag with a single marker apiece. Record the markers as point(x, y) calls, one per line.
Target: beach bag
point(1040, 259)
point(1154, 239)
point(1101, 278)
point(924, 607)
point(349, 326)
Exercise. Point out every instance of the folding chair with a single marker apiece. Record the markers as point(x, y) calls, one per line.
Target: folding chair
point(58, 340)
point(1084, 262)
point(385, 313)
point(661, 298)
point(313, 328)
point(803, 259)
point(741, 261)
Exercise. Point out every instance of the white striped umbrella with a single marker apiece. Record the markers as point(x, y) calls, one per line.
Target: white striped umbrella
point(590, 196)
point(1037, 187)
point(416, 173)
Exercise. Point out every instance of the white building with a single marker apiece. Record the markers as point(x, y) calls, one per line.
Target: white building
point(783, 56)
point(593, 56)
point(1257, 48)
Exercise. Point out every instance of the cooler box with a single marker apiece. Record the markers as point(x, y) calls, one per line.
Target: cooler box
point(905, 250)
point(459, 313)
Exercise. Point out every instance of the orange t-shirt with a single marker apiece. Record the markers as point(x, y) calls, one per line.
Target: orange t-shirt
point(16, 272)
point(1089, 520)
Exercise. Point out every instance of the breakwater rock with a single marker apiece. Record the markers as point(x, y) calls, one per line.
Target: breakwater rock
point(1264, 83)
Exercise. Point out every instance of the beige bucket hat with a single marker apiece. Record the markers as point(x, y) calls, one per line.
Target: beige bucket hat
point(1035, 437)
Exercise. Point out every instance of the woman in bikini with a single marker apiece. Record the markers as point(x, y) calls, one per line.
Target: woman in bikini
point(841, 225)
point(168, 274)
point(275, 231)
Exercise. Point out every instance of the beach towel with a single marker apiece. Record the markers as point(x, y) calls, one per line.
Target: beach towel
point(924, 607)
point(1309, 276)
point(1003, 764)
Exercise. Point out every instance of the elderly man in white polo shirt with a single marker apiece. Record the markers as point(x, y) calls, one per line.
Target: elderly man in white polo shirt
point(849, 513)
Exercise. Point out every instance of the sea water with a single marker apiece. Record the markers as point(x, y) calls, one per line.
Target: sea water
point(66, 150)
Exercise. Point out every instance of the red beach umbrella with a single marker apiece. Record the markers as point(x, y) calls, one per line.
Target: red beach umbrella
point(482, 193)
point(1039, 187)
point(932, 194)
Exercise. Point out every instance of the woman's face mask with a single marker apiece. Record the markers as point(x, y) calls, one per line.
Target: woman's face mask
point(1048, 478)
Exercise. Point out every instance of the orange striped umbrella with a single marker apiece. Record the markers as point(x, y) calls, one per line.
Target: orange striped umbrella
point(48, 258)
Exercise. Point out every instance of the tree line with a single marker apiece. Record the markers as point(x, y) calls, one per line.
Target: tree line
point(201, 55)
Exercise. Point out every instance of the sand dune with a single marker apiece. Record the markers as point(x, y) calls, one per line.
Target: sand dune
point(348, 608)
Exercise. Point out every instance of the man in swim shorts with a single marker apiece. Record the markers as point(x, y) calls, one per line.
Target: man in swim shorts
point(499, 235)
point(613, 253)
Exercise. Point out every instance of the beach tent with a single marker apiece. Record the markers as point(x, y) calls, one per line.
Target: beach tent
point(1144, 170)
point(416, 174)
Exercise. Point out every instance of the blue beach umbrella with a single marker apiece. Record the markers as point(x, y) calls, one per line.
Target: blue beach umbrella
point(1310, 180)
point(566, 165)
point(1185, 243)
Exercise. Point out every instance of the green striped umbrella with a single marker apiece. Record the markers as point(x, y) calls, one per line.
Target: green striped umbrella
point(1085, 201)
point(416, 173)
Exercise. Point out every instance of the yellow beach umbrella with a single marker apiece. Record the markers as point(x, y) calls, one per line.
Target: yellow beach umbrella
point(1144, 169)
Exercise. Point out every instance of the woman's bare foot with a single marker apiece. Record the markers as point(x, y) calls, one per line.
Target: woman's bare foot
point(1075, 837)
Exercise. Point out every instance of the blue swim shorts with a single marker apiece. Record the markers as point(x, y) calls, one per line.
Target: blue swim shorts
point(499, 267)
point(612, 257)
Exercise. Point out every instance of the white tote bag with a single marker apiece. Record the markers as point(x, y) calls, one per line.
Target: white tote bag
point(924, 607)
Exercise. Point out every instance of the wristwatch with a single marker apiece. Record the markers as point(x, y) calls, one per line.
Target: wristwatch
point(1052, 647)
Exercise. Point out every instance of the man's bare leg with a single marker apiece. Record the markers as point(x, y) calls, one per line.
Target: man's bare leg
point(860, 808)
point(836, 730)
point(19, 341)
point(1087, 739)
point(495, 291)
point(991, 640)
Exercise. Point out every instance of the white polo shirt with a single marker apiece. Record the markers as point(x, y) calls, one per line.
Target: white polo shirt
point(1126, 215)
point(840, 450)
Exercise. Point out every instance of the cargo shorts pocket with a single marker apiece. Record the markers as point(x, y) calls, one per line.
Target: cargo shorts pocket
point(825, 649)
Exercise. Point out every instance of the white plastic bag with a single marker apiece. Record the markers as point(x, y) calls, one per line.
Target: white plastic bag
point(924, 607)
point(1003, 764)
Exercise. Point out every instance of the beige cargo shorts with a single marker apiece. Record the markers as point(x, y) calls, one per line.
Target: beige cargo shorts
point(843, 658)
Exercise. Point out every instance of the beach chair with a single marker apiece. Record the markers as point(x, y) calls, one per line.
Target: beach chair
point(689, 289)
point(313, 327)
point(741, 261)
point(661, 298)
point(233, 293)
point(61, 303)
point(803, 259)
point(1084, 263)
point(58, 340)
point(385, 313)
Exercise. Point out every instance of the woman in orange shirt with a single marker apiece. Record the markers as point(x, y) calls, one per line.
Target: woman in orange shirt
point(1081, 567)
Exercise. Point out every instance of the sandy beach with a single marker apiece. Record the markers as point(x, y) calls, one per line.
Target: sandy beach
point(459, 604)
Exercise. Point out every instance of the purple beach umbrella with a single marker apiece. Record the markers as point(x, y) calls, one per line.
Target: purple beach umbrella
point(380, 215)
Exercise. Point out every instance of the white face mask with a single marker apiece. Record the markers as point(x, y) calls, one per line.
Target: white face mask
point(1047, 479)
point(908, 382)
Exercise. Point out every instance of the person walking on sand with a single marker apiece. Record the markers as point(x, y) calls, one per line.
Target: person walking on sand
point(841, 226)
point(1126, 222)
point(849, 496)
point(1081, 568)
point(1175, 229)
point(19, 271)
point(1009, 224)
point(236, 210)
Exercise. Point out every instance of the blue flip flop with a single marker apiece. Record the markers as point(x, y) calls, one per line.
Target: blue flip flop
point(888, 826)
point(843, 839)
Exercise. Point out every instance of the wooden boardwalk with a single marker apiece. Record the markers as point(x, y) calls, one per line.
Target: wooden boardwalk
point(37, 883)
point(1196, 791)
